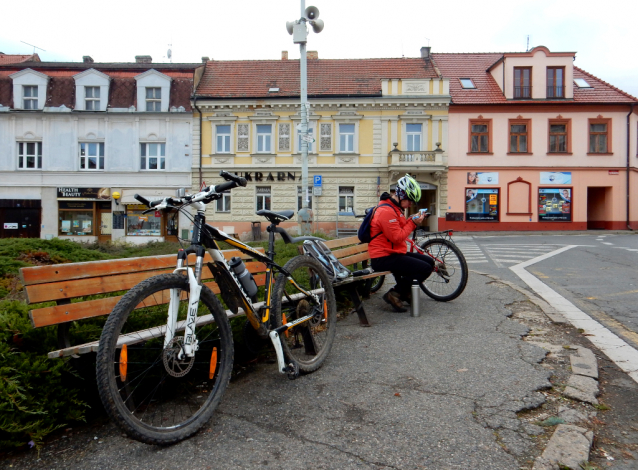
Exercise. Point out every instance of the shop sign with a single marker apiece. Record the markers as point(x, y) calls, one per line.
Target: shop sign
point(482, 177)
point(10, 226)
point(84, 193)
point(556, 177)
point(259, 176)
point(614, 172)
point(481, 205)
point(75, 205)
point(555, 205)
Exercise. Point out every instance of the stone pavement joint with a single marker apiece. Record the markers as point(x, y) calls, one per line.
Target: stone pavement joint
point(582, 388)
point(569, 446)
point(584, 363)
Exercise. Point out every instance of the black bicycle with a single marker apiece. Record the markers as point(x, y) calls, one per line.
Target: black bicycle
point(166, 352)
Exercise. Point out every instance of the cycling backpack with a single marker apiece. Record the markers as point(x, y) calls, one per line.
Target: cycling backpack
point(319, 251)
point(364, 229)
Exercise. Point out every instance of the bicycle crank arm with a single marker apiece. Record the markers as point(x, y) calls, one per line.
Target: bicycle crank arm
point(291, 370)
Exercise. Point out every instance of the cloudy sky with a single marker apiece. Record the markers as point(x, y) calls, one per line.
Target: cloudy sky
point(602, 34)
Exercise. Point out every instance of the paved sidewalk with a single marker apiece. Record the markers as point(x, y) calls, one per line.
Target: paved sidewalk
point(446, 390)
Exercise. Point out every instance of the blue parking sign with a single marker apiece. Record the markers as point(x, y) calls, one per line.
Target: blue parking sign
point(317, 180)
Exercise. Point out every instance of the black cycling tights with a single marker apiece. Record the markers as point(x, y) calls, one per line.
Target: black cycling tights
point(405, 268)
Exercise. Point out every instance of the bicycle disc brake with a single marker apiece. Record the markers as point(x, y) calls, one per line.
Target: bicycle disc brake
point(173, 365)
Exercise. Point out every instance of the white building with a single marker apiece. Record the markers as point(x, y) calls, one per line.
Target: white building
point(75, 135)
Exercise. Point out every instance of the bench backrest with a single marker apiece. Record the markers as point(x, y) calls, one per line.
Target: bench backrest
point(348, 251)
point(62, 282)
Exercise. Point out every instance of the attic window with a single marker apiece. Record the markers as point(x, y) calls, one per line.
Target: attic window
point(273, 90)
point(467, 83)
point(582, 83)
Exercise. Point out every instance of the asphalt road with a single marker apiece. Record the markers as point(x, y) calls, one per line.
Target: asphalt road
point(599, 275)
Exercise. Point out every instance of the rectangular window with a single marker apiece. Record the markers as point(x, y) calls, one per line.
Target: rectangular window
point(223, 139)
point(559, 137)
point(75, 218)
point(30, 155)
point(311, 145)
point(153, 99)
point(555, 82)
point(29, 97)
point(263, 197)
point(301, 195)
point(518, 137)
point(598, 137)
point(346, 198)
point(522, 82)
point(480, 137)
point(467, 83)
point(223, 204)
point(346, 138)
point(91, 156)
point(264, 136)
point(481, 205)
point(554, 205)
point(139, 224)
point(92, 98)
point(414, 133)
point(153, 156)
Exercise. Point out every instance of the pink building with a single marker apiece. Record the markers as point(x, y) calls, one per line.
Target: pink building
point(536, 143)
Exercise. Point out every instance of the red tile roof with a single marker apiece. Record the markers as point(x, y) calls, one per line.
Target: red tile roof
point(17, 58)
point(475, 65)
point(326, 77)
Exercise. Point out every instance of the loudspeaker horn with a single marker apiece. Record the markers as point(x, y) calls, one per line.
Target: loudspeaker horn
point(317, 25)
point(289, 26)
point(312, 13)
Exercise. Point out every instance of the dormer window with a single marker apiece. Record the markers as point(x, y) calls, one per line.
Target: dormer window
point(522, 82)
point(555, 82)
point(92, 98)
point(29, 97)
point(153, 99)
point(467, 83)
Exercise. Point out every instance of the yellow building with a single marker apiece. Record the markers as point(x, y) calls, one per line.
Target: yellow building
point(373, 120)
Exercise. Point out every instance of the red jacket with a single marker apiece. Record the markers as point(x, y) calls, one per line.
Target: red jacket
point(395, 228)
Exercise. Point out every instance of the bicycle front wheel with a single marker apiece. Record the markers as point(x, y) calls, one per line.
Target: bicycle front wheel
point(152, 393)
point(449, 277)
point(306, 345)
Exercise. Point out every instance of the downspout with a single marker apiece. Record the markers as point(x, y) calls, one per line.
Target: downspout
point(200, 141)
point(631, 111)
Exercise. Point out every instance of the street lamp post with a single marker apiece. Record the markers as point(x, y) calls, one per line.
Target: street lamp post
point(299, 34)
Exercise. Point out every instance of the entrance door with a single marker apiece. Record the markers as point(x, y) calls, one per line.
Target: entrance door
point(428, 201)
point(106, 225)
point(599, 209)
point(171, 227)
point(20, 222)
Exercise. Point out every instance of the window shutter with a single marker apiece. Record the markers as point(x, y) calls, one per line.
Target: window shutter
point(242, 137)
point(284, 137)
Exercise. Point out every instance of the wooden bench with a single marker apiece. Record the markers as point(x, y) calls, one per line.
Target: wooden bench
point(68, 285)
point(351, 252)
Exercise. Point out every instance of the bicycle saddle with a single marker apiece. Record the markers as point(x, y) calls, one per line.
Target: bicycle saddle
point(276, 217)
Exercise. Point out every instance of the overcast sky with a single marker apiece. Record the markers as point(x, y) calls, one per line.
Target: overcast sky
point(603, 34)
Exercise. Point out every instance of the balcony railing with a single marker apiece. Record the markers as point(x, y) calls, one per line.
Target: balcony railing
point(421, 157)
point(522, 92)
point(555, 92)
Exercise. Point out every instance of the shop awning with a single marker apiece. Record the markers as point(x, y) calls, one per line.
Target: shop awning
point(128, 195)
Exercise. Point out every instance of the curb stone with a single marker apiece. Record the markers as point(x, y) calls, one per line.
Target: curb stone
point(569, 446)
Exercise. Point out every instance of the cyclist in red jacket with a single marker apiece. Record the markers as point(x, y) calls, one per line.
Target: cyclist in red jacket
point(388, 250)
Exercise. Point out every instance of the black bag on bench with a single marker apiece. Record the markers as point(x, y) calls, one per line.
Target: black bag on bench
point(319, 251)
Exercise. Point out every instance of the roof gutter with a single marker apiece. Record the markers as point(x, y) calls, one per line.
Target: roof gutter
point(631, 111)
point(200, 138)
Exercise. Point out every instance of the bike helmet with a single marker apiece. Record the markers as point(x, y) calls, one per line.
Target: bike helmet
point(408, 188)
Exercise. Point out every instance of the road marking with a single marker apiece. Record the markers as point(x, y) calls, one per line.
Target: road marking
point(625, 248)
point(606, 243)
point(616, 349)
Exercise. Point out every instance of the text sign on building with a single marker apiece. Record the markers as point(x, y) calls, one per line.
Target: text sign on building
point(11, 226)
point(84, 193)
point(317, 180)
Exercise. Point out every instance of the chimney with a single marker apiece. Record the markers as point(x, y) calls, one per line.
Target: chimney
point(425, 53)
point(143, 59)
point(205, 59)
point(87, 59)
point(312, 55)
point(284, 55)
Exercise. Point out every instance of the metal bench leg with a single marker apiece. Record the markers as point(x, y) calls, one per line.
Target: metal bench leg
point(358, 306)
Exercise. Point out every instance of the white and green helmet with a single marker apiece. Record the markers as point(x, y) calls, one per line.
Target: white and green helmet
point(410, 187)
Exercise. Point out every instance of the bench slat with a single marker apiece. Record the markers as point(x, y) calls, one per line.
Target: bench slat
point(55, 315)
point(349, 260)
point(339, 242)
point(352, 250)
point(70, 271)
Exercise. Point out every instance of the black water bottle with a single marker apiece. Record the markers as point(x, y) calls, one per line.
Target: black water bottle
point(246, 279)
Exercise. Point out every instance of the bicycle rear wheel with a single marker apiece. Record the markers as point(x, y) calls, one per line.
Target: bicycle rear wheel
point(376, 283)
point(306, 345)
point(449, 278)
point(150, 393)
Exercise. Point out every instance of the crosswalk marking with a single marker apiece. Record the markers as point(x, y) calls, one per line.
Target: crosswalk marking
point(500, 254)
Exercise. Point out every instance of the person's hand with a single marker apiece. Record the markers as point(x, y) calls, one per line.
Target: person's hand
point(418, 218)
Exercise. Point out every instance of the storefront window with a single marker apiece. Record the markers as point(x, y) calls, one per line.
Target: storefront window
point(555, 205)
point(263, 198)
point(76, 218)
point(481, 205)
point(139, 224)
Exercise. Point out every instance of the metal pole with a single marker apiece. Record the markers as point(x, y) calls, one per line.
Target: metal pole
point(303, 83)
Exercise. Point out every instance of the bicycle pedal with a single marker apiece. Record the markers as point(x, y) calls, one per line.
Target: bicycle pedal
point(292, 371)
